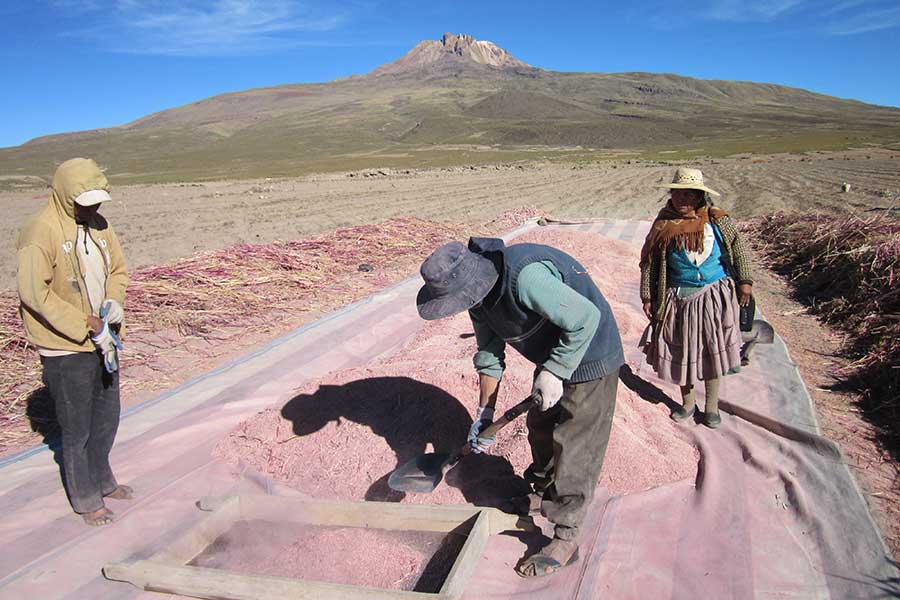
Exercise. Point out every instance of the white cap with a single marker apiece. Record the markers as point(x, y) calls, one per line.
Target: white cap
point(92, 197)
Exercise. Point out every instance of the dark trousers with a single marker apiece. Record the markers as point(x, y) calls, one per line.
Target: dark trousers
point(87, 408)
point(568, 443)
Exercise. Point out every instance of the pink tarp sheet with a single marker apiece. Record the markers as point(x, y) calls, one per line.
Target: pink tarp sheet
point(772, 511)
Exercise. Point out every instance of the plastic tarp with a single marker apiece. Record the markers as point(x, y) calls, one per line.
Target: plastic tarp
point(773, 511)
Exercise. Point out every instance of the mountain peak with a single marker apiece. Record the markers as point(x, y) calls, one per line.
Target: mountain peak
point(452, 48)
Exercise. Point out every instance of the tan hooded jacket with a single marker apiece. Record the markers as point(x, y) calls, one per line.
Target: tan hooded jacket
point(54, 302)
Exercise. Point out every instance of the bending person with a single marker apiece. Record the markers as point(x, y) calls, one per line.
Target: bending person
point(544, 304)
point(693, 276)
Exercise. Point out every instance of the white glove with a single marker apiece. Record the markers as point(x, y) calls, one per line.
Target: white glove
point(549, 387)
point(108, 343)
point(484, 416)
point(113, 311)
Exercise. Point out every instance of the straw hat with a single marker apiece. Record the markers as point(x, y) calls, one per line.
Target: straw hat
point(689, 179)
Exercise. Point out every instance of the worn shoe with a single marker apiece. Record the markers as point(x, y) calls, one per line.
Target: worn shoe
point(545, 563)
point(524, 506)
point(679, 415)
point(712, 420)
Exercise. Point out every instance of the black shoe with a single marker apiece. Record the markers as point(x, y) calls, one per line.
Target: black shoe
point(524, 506)
point(680, 415)
point(712, 420)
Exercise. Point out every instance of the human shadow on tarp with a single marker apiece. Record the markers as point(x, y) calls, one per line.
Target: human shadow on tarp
point(645, 389)
point(874, 587)
point(408, 414)
point(41, 413)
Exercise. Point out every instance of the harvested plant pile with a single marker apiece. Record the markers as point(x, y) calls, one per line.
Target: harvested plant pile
point(219, 297)
point(20, 371)
point(847, 269)
point(342, 435)
point(218, 289)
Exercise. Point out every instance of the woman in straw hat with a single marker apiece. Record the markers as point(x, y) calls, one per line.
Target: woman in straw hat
point(694, 274)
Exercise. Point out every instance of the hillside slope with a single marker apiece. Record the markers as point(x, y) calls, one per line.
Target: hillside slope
point(454, 101)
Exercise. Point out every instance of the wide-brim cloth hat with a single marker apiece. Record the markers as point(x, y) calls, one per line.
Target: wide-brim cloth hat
point(456, 279)
point(689, 179)
point(92, 197)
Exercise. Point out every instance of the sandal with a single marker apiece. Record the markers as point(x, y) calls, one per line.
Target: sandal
point(122, 492)
point(105, 517)
point(543, 565)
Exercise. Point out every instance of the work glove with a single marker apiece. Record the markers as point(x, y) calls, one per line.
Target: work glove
point(108, 343)
point(548, 388)
point(112, 310)
point(484, 417)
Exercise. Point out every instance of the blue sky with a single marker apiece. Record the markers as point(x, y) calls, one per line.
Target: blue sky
point(74, 65)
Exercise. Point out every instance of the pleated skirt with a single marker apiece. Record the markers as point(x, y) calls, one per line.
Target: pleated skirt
point(699, 337)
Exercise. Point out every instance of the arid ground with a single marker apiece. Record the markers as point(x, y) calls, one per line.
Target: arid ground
point(160, 223)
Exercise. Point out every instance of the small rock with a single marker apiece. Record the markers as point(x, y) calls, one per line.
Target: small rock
point(365, 268)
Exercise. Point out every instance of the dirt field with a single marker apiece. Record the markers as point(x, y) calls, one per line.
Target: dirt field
point(158, 223)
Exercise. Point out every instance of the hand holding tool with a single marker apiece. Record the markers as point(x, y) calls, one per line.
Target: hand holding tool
point(484, 417)
point(549, 388)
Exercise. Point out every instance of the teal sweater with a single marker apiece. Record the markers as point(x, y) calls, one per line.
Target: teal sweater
point(541, 289)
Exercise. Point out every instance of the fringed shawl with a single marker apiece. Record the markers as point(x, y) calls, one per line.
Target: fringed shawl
point(686, 231)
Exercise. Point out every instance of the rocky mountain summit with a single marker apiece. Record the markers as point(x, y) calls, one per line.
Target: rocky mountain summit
point(458, 49)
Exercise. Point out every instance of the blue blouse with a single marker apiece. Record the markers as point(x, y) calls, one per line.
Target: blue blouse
point(682, 272)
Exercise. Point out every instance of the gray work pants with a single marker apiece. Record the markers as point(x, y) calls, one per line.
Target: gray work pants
point(568, 443)
point(86, 398)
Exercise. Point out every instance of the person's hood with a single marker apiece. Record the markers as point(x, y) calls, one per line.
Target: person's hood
point(73, 178)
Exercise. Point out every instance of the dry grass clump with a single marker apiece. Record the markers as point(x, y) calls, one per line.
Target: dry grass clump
point(217, 289)
point(20, 373)
point(847, 269)
point(215, 296)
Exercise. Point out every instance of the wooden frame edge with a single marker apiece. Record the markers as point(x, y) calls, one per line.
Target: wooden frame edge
point(167, 570)
point(467, 559)
point(215, 584)
point(200, 536)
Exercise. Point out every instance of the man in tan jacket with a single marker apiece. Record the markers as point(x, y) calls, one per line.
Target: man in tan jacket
point(71, 279)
